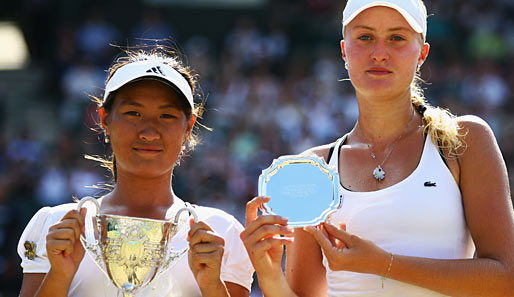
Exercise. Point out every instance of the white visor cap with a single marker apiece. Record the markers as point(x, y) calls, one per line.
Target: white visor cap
point(152, 70)
point(413, 11)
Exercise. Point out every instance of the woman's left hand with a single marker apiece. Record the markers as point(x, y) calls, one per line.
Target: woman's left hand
point(205, 254)
point(345, 251)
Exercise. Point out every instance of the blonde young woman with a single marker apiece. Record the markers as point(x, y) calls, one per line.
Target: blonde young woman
point(422, 190)
point(148, 114)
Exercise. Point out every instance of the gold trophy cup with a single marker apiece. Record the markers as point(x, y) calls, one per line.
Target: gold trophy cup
point(131, 251)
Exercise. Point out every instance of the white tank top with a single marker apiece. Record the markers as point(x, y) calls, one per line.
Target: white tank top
point(420, 216)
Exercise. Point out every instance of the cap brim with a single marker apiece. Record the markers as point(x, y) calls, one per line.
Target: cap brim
point(155, 78)
point(149, 70)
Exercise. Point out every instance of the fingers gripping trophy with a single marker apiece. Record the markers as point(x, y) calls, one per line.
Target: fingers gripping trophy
point(131, 251)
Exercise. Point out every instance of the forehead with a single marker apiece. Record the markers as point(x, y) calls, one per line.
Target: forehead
point(148, 92)
point(380, 17)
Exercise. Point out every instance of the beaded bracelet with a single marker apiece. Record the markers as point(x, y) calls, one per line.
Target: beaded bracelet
point(388, 269)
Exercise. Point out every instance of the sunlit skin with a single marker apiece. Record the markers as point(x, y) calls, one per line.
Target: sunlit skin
point(382, 52)
point(147, 129)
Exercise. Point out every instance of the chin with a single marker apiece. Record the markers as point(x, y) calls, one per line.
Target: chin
point(154, 174)
point(378, 91)
point(145, 170)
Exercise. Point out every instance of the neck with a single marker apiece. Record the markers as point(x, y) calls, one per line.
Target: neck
point(139, 193)
point(382, 120)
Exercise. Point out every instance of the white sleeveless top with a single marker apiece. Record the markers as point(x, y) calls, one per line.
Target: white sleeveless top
point(420, 216)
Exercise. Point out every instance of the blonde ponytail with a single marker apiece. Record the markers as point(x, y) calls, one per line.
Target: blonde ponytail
point(440, 124)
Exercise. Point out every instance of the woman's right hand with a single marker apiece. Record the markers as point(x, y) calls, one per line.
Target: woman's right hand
point(63, 246)
point(349, 252)
point(263, 241)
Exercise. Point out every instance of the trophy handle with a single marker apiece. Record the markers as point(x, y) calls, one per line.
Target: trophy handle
point(180, 211)
point(84, 241)
point(172, 257)
point(93, 248)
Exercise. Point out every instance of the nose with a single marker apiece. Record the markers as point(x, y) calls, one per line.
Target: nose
point(149, 132)
point(380, 53)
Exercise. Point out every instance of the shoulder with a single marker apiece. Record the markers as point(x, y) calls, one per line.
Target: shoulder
point(480, 150)
point(321, 151)
point(477, 135)
point(54, 213)
point(62, 208)
point(44, 218)
point(471, 124)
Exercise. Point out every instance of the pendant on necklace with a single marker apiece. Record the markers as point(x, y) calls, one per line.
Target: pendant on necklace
point(379, 173)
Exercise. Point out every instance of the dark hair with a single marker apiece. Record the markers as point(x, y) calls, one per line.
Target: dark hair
point(168, 55)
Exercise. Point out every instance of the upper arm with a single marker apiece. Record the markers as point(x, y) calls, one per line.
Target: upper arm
point(31, 283)
point(236, 290)
point(305, 272)
point(485, 192)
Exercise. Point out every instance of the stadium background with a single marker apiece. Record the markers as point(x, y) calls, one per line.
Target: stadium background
point(269, 73)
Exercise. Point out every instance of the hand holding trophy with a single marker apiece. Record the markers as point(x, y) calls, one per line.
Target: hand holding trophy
point(132, 252)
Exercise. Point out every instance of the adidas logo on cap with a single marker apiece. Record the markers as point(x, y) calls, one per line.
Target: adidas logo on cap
point(156, 70)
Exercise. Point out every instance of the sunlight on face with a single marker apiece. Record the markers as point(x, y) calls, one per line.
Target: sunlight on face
point(147, 127)
point(382, 52)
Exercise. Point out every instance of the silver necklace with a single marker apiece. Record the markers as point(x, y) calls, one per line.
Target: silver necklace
point(378, 172)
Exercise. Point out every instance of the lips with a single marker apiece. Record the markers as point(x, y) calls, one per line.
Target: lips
point(148, 149)
point(379, 71)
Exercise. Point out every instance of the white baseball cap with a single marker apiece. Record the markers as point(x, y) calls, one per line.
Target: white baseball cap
point(413, 11)
point(151, 69)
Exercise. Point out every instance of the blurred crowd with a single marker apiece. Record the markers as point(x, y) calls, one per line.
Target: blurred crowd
point(272, 80)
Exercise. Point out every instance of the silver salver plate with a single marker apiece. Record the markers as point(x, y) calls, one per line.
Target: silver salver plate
point(303, 189)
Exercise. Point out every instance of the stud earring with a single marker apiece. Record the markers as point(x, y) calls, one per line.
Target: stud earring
point(346, 65)
point(106, 137)
point(418, 68)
